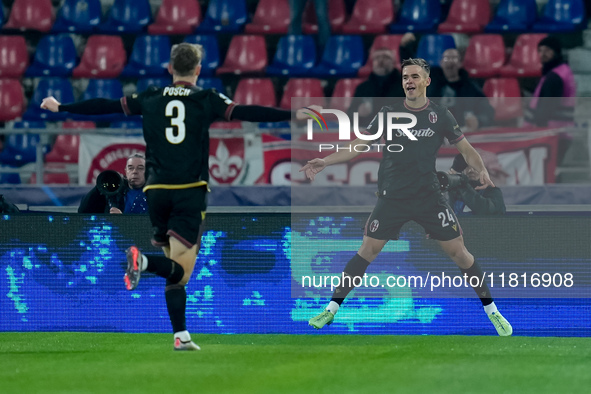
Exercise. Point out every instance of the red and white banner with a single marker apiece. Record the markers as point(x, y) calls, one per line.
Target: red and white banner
point(529, 158)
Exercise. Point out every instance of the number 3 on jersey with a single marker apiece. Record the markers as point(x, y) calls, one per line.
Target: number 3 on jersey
point(445, 220)
point(178, 121)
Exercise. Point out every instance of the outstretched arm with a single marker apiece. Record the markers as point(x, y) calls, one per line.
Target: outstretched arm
point(97, 106)
point(314, 166)
point(474, 160)
point(259, 113)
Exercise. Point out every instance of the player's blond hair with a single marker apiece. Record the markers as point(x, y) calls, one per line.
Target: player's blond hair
point(185, 57)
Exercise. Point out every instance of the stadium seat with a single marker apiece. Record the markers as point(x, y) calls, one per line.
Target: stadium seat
point(337, 14)
point(302, 87)
point(176, 17)
point(466, 16)
point(432, 46)
point(211, 57)
point(65, 149)
point(391, 41)
point(127, 16)
point(295, 56)
point(145, 83)
point(270, 17)
point(19, 149)
point(78, 124)
point(343, 93)
point(60, 88)
point(78, 16)
point(102, 88)
point(246, 54)
point(562, 16)
point(49, 178)
point(12, 99)
point(29, 124)
point(103, 57)
point(14, 58)
point(505, 97)
point(31, 15)
point(485, 55)
point(513, 16)
point(55, 56)
point(418, 16)
point(524, 61)
point(12, 178)
point(224, 16)
point(2, 17)
point(343, 57)
point(370, 17)
point(149, 57)
point(211, 83)
point(255, 91)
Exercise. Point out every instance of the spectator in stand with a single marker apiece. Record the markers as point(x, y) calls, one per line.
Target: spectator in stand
point(296, 8)
point(545, 108)
point(384, 81)
point(457, 91)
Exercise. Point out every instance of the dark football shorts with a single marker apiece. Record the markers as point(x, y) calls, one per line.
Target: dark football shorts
point(432, 213)
point(177, 213)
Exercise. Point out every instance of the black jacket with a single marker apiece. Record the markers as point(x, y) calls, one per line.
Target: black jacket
point(445, 93)
point(488, 201)
point(95, 202)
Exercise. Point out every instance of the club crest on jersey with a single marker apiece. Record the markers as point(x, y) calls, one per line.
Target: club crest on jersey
point(432, 117)
point(373, 227)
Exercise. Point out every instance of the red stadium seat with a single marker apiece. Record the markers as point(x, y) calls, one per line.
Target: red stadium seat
point(255, 91)
point(103, 57)
point(391, 41)
point(14, 58)
point(270, 17)
point(343, 93)
point(524, 61)
point(246, 54)
point(466, 16)
point(370, 17)
point(485, 55)
point(78, 124)
point(337, 13)
point(303, 87)
point(52, 177)
point(505, 97)
point(65, 149)
point(31, 15)
point(176, 17)
point(12, 102)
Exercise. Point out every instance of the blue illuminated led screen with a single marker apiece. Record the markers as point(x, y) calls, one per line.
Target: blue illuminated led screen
point(64, 273)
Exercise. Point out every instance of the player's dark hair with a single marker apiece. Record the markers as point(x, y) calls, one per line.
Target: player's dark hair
point(422, 63)
point(185, 57)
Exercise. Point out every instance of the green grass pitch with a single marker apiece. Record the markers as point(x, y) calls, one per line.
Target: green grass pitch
point(145, 363)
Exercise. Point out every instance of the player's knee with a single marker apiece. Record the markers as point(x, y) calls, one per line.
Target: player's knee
point(185, 279)
point(370, 250)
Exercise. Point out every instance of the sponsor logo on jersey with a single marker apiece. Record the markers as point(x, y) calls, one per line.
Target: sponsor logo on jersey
point(418, 133)
point(373, 227)
point(432, 117)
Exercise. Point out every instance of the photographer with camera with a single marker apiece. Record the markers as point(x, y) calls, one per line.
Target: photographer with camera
point(460, 185)
point(115, 194)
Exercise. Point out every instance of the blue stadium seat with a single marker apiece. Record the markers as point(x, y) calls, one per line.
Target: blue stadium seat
point(127, 16)
point(211, 83)
point(19, 149)
point(432, 46)
point(149, 57)
point(1, 20)
point(127, 124)
point(513, 16)
point(211, 57)
point(562, 16)
point(295, 56)
point(78, 16)
point(10, 178)
point(224, 16)
point(55, 56)
point(343, 57)
point(29, 124)
point(418, 16)
point(60, 88)
point(102, 88)
point(145, 83)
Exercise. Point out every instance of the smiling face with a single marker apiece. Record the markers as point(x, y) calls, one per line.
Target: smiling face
point(382, 61)
point(415, 81)
point(135, 172)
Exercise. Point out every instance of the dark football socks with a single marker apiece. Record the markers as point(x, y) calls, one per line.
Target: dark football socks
point(356, 267)
point(482, 290)
point(166, 268)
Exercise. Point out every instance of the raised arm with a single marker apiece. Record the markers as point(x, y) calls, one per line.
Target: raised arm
point(259, 113)
point(97, 106)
